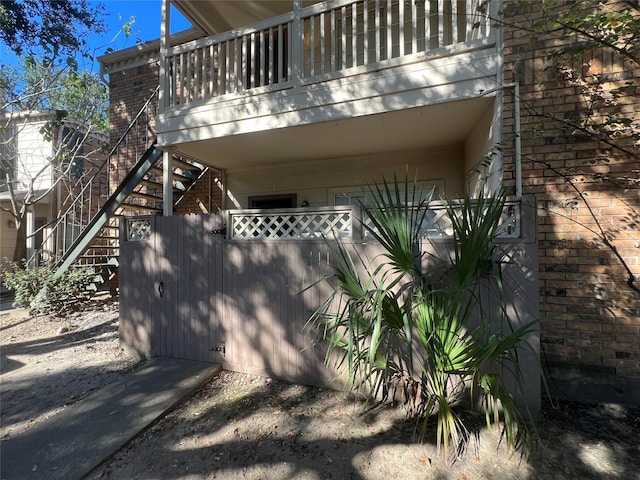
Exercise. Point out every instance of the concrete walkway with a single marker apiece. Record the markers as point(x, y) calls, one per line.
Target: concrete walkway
point(73, 442)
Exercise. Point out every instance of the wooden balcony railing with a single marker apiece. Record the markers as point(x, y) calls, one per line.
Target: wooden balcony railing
point(318, 43)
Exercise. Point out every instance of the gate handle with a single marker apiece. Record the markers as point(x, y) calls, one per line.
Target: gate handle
point(161, 289)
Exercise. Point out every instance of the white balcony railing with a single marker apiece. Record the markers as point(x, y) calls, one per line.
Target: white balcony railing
point(317, 43)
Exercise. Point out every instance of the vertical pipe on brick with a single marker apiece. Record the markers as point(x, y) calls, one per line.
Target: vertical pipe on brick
point(518, 146)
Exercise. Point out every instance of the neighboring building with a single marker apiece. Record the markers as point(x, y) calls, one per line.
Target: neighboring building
point(30, 156)
point(295, 106)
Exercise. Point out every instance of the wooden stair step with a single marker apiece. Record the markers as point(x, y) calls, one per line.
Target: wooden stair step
point(146, 196)
point(131, 206)
point(184, 165)
point(174, 175)
point(150, 184)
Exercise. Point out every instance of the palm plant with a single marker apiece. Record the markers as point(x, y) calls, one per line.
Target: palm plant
point(394, 323)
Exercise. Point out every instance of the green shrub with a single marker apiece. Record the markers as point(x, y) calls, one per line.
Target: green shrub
point(427, 330)
point(39, 290)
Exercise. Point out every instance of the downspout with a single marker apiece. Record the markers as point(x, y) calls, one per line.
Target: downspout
point(517, 142)
point(518, 146)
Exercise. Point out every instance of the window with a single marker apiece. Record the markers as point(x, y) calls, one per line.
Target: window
point(288, 200)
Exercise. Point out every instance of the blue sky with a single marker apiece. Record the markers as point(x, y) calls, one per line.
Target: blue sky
point(146, 27)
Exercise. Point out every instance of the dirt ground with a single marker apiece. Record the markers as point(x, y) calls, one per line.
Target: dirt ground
point(248, 427)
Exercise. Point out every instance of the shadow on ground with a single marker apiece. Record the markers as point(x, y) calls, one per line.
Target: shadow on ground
point(240, 426)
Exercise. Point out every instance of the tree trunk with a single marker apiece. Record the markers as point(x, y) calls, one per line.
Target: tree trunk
point(20, 250)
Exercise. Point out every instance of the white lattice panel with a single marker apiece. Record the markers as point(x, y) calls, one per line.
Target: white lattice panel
point(138, 229)
point(299, 226)
point(438, 223)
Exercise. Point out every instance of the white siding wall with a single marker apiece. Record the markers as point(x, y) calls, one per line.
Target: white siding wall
point(7, 236)
point(34, 153)
point(476, 148)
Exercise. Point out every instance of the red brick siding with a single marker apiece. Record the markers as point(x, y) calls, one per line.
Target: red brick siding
point(128, 91)
point(591, 317)
point(204, 196)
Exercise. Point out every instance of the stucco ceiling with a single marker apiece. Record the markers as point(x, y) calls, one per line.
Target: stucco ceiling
point(417, 128)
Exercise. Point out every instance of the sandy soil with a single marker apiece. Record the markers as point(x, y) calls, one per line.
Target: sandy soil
point(248, 427)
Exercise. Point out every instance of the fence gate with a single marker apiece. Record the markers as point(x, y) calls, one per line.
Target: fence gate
point(171, 286)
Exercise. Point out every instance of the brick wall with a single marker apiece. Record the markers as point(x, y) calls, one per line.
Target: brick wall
point(204, 196)
point(128, 91)
point(591, 317)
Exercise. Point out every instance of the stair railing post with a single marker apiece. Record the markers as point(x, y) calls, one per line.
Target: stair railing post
point(167, 184)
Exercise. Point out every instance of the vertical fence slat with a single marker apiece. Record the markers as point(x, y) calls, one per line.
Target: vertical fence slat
point(196, 73)
point(251, 62)
point(288, 63)
point(322, 28)
point(441, 19)
point(230, 67)
point(174, 80)
point(377, 47)
point(262, 50)
point(280, 65)
point(271, 59)
point(242, 62)
point(343, 38)
point(401, 32)
point(454, 21)
point(189, 78)
point(217, 70)
point(414, 27)
point(213, 73)
point(427, 27)
point(354, 34)
point(389, 30)
point(312, 45)
point(486, 21)
point(365, 32)
point(182, 80)
point(333, 40)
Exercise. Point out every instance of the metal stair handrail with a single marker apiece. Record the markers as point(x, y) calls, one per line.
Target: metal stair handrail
point(66, 221)
point(82, 242)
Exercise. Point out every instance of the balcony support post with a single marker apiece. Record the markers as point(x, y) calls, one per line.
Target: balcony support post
point(167, 184)
point(165, 32)
point(297, 45)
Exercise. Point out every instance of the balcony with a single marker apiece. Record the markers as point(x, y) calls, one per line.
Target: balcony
point(328, 61)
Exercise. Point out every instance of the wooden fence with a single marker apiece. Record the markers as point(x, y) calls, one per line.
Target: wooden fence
point(188, 292)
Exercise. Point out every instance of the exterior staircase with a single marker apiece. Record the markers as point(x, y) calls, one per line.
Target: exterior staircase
point(87, 233)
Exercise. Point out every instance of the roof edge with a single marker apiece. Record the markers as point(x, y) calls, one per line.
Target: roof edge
point(147, 50)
